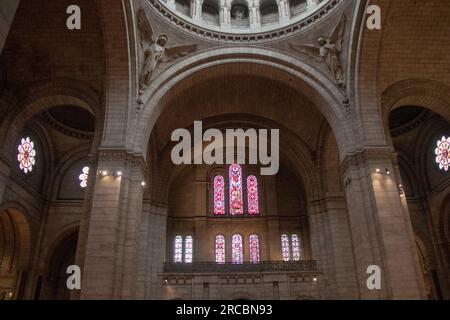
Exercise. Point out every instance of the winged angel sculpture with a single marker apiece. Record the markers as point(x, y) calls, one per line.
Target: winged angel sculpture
point(328, 50)
point(155, 50)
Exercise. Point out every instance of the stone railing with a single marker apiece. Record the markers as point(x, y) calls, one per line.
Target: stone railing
point(308, 266)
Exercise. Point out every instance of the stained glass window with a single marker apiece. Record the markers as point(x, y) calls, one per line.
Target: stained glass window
point(219, 195)
point(285, 247)
point(252, 195)
point(188, 249)
point(84, 177)
point(254, 248)
point(296, 248)
point(443, 153)
point(237, 249)
point(26, 155)
point(178, 249)
point(220, 249)
point(235, 176)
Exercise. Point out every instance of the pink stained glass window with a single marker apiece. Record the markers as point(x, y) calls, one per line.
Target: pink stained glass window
point(188, 249)
point(296, 248)
point(26, 155)
point(178, 249)
point(237, 256)
point(285, 247)
point(219, 195)
point(254, 248)
point(252, 195)
point(220, 249)
point(236, 202)
point(442, 152)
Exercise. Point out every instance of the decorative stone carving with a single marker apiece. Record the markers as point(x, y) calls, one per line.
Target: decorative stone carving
point(328, 51)
point(155, 50)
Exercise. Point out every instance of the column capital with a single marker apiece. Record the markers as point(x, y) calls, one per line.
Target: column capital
point(121, 156)
point(370, 154)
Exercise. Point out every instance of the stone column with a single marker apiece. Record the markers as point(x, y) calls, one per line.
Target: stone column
point(225, 15)
point(4, 174)
point(312, 3)
point(171, 4)
point(196, 6)
point(156, 249)
point(274, 241)
point(283, 11)
point(255, 16)
point(112, 235)
point(380, 226)
point(201, 249)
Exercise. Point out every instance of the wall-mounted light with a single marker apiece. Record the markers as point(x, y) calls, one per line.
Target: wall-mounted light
point(104, 173)
point(118, 173)
point(386, 171)
point(314, 279)
point(401, 190)
point(143, 184)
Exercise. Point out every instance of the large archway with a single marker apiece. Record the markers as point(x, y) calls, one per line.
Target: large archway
point(246, 96)
point(15, 244)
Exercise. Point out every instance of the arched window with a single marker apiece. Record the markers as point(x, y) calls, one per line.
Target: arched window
point(235, 177)
point(178, 249)
point(254, 248)
point(26, 155)
point(296, 248)
point(237, 249)
point(188, 249)
point(220, 249)
point(442, 152)
point(252, 195)
point(219, 195)
point(285, 247)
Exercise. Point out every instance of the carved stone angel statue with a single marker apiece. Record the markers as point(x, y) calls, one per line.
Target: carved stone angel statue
point(328, 50)
point(155, 51)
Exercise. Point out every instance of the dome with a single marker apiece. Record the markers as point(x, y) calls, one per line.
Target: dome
point(244, 17)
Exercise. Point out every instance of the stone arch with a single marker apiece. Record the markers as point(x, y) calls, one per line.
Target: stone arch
point(60, 254)
point(16, 247)
point(425, 93)
point(65, 164)
point(43, 97)
point(323, 93)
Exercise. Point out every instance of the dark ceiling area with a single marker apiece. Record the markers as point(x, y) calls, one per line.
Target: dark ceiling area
point(404, 116)
point(73, 117)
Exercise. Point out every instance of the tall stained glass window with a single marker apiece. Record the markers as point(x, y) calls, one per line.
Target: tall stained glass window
point(296, 247)
point(178, 249)
point(219, 195)
point(26, 155)
point(237, 256)
point(252, 195)
point(254, 248)
point(188, 249)
point(442, 152)
point(220, 249)
point(83, 177)
point(285, 247)
point(236, 201)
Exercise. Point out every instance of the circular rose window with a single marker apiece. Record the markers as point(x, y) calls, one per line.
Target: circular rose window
point(443, 153)
point(26, 155)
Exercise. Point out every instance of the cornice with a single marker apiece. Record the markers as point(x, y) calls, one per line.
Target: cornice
point(275, 34)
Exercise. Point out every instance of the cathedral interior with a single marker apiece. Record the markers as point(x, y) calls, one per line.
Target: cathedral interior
point(87, 116)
